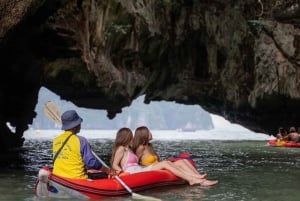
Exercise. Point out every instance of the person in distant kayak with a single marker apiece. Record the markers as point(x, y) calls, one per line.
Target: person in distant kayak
point(72, 154)
point(123, 159)
point(293, 135)
point(142, 147)
point(281, 134)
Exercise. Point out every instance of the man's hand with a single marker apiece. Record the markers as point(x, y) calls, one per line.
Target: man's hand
point(113, 173)
point(93, 171)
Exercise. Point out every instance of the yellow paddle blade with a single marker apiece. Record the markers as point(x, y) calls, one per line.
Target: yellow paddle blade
point(53, 112)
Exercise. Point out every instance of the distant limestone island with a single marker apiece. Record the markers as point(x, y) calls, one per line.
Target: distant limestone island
point(161, 115)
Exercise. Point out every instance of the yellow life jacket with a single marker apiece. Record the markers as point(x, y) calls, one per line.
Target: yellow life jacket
point(69, 161)
point(280, 143)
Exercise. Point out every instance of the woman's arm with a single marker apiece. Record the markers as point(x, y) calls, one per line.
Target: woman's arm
point(119, 154)
point(140, 152)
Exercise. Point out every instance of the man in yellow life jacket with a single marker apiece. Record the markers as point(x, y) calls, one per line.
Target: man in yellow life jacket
point(72, 154)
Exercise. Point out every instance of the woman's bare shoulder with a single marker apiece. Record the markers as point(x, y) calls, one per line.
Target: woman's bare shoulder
point(120, 148)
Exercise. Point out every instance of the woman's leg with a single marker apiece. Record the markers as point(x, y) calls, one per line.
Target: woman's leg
point(178, 172)
point(187, 167)
point(167, 165)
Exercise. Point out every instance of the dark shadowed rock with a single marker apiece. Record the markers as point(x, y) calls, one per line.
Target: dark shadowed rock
point(238, 59)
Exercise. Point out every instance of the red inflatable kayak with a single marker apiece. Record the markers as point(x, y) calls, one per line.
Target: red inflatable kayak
point(275, 143)
point(50, 185)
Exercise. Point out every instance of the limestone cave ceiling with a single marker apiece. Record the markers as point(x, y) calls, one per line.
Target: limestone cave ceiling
point(237, 59)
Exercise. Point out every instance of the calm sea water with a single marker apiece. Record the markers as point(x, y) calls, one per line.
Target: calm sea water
point(248, 169)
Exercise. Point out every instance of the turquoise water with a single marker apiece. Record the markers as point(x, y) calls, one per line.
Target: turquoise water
point(247, 170)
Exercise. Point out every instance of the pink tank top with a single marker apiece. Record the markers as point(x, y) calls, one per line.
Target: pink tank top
point(132, 160)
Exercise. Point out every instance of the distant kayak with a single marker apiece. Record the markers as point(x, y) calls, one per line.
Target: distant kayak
point(275, 143)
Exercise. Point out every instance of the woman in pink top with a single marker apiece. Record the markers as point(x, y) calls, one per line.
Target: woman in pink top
point(123, 159)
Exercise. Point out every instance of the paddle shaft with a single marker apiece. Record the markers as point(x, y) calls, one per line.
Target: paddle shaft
point(116, 176)
point(134, 195)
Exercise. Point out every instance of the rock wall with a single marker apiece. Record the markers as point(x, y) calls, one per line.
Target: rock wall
point(238, 59)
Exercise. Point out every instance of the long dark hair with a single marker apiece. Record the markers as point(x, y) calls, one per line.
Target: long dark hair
point(123, 138)
point(141, 137)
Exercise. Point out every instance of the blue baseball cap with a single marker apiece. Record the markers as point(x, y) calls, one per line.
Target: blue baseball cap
point(70, 119)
